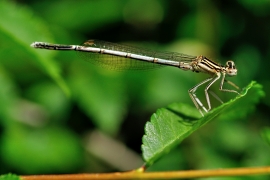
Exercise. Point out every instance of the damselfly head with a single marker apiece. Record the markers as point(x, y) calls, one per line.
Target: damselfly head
point(230, 68)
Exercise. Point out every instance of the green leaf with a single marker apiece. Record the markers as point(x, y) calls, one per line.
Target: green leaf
point(17, 42)
point(169, 126)
point(9, 177)
point(8, 97)
point(92, 14)
point(44, 150)
point(266, 134)
point(102, 98)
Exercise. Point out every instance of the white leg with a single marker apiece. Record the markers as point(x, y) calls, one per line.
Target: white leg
point(229, 82)
point(194, 98)
point(206, 90)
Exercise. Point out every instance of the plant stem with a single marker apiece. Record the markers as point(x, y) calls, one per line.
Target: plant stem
point(137, 174)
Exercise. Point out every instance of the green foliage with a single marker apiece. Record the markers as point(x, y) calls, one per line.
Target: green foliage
point(50, 101)
point(266, 134)
point(9, 177)
point(105, 98)
point(169, 126)
point(14, 17)
point(48, 149)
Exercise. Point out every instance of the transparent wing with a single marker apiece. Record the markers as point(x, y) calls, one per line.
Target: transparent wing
point(124, 63)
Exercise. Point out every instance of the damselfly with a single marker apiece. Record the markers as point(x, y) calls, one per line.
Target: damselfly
point(116, 56)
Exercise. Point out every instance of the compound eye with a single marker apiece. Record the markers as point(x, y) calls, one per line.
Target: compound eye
point(230, 68)
point(230, 65)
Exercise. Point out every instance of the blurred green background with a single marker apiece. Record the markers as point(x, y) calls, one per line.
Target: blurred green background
point(60, 114)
